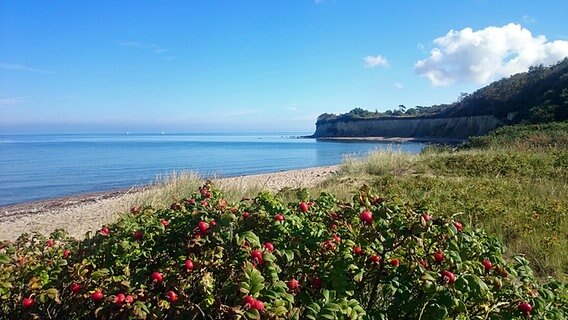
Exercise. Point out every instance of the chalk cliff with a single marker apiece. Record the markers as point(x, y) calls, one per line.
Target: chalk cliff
point(457, 128)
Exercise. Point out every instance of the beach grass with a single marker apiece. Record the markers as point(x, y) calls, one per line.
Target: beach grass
point(175, 186)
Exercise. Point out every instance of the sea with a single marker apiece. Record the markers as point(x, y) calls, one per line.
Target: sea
point(39, 167)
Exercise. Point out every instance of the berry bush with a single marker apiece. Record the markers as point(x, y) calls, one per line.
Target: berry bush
point(204, 258)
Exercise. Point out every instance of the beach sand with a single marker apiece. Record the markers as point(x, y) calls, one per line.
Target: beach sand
point(88, 212)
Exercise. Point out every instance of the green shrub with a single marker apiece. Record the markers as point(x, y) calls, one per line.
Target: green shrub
point(370, 258)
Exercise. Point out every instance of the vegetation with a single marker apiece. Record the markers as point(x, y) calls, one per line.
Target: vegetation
point(512, 183)
point(546, 136)
point(204, 258)
point(537, 96)
point(450, 233)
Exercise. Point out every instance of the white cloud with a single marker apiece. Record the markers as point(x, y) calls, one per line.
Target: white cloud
point(375, 61)
point(19, 67)
point(398, 85)
point(488, 54)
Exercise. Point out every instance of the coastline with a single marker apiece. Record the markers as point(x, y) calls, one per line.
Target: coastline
point(450, 141)
point(81, 213)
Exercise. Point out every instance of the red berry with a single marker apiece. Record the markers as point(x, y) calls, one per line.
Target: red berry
point(375, 258)
point(357, 250)
point(165, 222)
point(203, 226)
point(279, 218)
point(28, 303)
point(426, 217)
point(204, 203)
point(366, 216)
point(439, 256)
point(449, 277)
point(525, 307)
point(104, 231)
point(487, 264)
point(172, 296)
point(188, 265)
point(293, 285)
point(75, 288)
point(157, 277)
point(257, 255)
point(97, 296)
point(50, 243)
point(337, 238)
point(66, 253)
point(119, 299)
point(458, 226)
point(333, 226)
point(328, 245)
point(246, 214)
point(129, 299)
point(304, 207)
point(269, 246)
point(212, 223)
point(395, 262)
point(134, 210)
point(249, 301)
point(138, 235)
point(316, 282)
point(258, 305)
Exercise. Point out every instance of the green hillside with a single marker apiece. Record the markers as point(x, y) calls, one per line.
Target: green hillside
point(537, 96)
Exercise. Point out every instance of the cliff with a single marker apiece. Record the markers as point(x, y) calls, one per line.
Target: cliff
point(537, 96)
point(409, 127)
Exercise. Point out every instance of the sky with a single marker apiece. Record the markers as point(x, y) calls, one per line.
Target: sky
point(255, 65)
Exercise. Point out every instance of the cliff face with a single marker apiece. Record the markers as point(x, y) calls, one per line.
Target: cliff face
point(458, 128)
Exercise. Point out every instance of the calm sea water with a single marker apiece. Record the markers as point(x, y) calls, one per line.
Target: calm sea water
point(35, 167)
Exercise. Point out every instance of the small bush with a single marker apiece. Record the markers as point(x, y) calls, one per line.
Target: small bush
point(204, 258)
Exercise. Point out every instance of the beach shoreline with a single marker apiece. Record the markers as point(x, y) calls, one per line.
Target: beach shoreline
point(88, 212)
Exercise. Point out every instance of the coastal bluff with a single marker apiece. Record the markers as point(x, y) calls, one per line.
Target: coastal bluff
point(409, 127)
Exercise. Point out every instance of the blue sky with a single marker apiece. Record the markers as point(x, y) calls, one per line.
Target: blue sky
point(252, 65)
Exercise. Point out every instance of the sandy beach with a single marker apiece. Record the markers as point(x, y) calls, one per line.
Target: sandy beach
point(88, 212)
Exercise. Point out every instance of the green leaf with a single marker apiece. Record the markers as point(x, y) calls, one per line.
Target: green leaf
point(100, 273)
point(327, 316)
point(251, 238)
point(429, 276)
point(254, 282)
point(476, 284)
point(4, 258)
point(359, 276)
point(280, 311)
point(289, 254)
point(252, 314)
point(332, 306)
